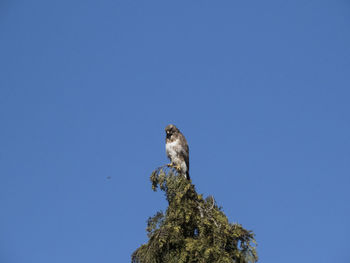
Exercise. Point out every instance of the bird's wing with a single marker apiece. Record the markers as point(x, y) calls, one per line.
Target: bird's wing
point(185, 152)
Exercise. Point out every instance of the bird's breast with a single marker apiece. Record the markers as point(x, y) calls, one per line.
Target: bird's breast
point(172, 148)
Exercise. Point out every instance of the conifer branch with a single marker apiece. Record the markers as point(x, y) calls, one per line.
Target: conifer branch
point(193, 229)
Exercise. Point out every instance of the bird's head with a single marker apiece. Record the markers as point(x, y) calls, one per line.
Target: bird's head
point(170, 130)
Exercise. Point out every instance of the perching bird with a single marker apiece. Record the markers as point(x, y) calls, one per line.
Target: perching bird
point(177, 150)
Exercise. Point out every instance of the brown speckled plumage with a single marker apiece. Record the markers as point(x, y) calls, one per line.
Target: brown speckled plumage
point(177, 149)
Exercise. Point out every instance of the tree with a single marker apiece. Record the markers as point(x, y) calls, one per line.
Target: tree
point(192, 229)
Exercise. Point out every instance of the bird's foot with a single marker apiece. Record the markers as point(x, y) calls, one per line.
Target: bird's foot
point(177, 167)
point(172, 165)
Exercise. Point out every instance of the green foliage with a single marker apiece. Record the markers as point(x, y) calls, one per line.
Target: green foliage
point(193, 229)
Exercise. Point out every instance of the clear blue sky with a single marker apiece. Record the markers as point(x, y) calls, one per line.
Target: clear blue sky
point(260, 89)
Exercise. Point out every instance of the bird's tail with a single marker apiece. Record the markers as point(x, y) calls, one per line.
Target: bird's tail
point(188, 175)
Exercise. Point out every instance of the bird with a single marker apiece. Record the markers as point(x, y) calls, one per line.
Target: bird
point(177, 150)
